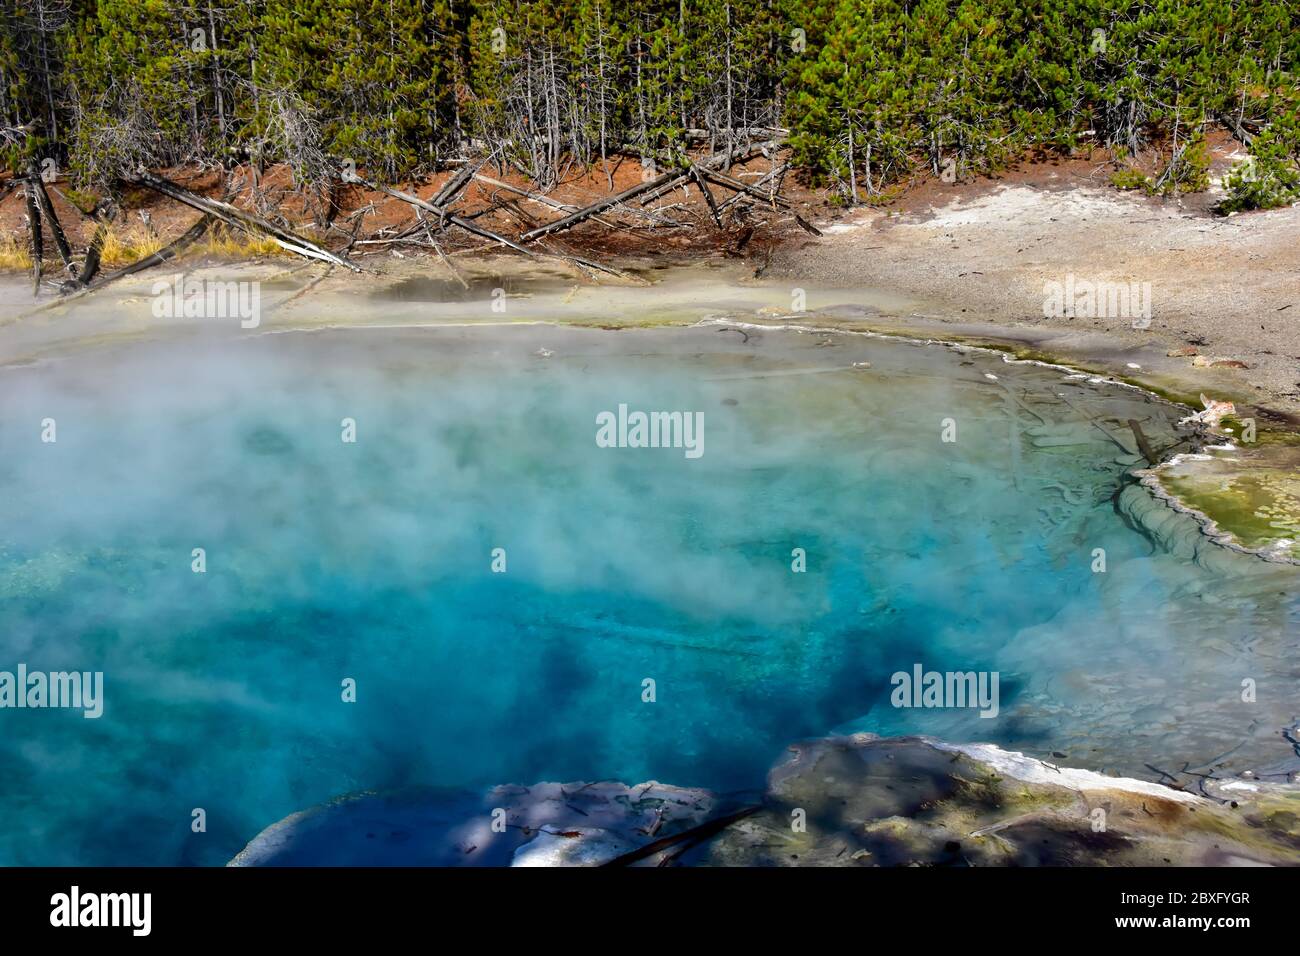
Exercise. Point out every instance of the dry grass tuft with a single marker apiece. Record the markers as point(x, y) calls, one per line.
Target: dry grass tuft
point(124, 244)
point(14, 254)
point(221, 241)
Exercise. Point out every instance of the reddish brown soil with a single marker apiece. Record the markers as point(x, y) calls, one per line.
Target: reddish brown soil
point(495, 209)
point(752, 229)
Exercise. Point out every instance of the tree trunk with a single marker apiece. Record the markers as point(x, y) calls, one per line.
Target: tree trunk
point(38, 240)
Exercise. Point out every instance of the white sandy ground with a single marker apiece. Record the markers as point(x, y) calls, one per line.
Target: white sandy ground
point(1230, 282)
point(403, 293)
point(1016, 765)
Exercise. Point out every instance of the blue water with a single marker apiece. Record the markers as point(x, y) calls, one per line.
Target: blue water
point(372, 561)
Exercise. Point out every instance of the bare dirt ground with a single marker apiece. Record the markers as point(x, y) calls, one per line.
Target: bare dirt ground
point(1226, 288)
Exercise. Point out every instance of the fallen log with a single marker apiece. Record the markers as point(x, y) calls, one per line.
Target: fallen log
point(90, 267)
point(713, 161)
point(540, 198)
point(571, 220)
point(692, 836)
point(806, 226)
point(521, 218)
point(443, 213)
point(596, 266)
point(737, 186)
point(544, 200)
point(453, 186)
point(94, 215)
point(405, 233)
point(708, 196)
point(428, 231)
point(241, 219)
point(489, 234)
point(772, 173)
point(1237, 129)
point(170, 251)
point(408, 238)
point(495, 206)
point(450, 268)
point(358, 218)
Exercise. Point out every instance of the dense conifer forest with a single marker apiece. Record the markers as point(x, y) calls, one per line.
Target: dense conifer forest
point(865, 92)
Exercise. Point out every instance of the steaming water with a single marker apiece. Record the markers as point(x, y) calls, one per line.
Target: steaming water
point(372, 561)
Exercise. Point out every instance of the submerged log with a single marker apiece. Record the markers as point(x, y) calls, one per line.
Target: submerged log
point(428, 231)
point(1143, 445)
point(596, 266)
point(240, 219)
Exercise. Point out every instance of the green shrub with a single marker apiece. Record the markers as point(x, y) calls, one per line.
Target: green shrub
point(1188, 171)
point(1130, 178)
point(1270, 177)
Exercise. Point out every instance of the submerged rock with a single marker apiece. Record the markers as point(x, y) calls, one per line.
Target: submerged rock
point(548, 824)
point(839, 801)
point(265, 440)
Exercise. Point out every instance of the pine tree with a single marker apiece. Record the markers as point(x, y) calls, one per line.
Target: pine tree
point(873, 91)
